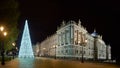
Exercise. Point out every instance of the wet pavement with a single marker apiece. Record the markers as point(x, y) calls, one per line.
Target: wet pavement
point(53, 63)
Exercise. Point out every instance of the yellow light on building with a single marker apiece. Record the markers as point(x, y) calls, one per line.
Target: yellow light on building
point(44, 48)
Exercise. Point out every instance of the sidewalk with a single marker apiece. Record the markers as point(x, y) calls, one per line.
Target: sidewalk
point(10, 64)
point(41, 62)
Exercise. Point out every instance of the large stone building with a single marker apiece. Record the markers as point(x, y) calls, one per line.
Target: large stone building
point(72, 40)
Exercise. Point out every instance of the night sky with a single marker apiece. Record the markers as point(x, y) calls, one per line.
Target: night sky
point(45, 15)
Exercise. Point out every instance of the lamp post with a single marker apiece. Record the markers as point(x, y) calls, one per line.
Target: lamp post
point(83, 44)
point(82, 54)
point(55, 51)
point(2, 43)
point(13, 49)
point(54, 47)
point(44, 52)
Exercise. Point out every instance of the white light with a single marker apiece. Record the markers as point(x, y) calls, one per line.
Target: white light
point(44, 48)
point(13, 44)
point(26, 45)
point(78, 41)
point(16, 48)
point(85, 41)
point(53, 46)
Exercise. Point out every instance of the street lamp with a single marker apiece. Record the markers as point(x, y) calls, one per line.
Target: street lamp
point(1, 28)
point(55, 51)
point(44, 52)
point(2, 43)
point(13, 44)
point(83, 44)
point(5, 33)
point(54, 47)
point(13, 49)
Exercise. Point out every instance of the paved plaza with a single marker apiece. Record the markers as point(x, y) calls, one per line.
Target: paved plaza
point(53, 63)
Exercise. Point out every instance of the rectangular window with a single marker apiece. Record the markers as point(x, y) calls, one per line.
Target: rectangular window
point(66, 51)
point(75, 37)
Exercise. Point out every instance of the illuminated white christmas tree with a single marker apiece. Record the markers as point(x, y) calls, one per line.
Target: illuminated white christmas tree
point(26, 46)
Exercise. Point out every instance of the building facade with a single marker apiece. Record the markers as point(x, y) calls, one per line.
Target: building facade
point(72, 40)
point(48, 46)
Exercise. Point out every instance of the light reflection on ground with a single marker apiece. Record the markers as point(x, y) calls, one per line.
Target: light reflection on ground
point(26, 62)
